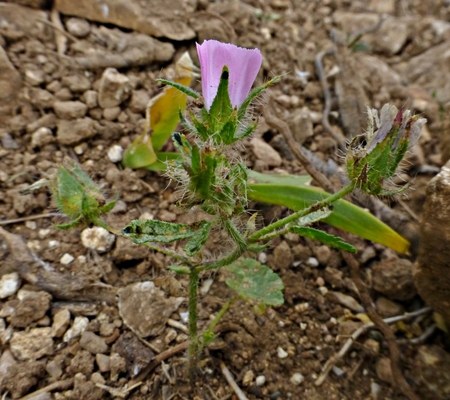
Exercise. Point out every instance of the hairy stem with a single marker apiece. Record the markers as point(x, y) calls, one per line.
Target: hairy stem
point(193, 340)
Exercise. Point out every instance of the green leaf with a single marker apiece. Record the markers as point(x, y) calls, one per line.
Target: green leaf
point(323, 237)
point(180, 270)
point(345, 215)
point(198, 239)
point(255, 282)
point(140, 153)
point(186, 90)
point(221, 108)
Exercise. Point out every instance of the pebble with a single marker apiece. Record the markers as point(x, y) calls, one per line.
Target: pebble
point(115, 153)
point(80, 149)
point(297, 378)
point(42, 137)
point(90, 98)
point(338, 371)
point(97, 377)
point(248, 378)
point(312, 262)
point(32, 345)
point(98, 239)
point(384, 370)
point(77, 83)
point(72, 132)
point(184, 316)
point(6, 360)
point(93, 343)
point(388, 308)
point(111, 113)
point(301, 307)
point(281, 353)
point(265, 152)
point(66, 259)
point(78, 27)
point(323, 290)
point(54, 369)
point(139, 100)
point(170, 336)
point(70, 109)
point(34, 77)
point(61, 321)
point(78, 327)
point(206, 286)
point(9, 284)
point(103, 362)
point(260, 380)
point(114, 88)
point(345, 300)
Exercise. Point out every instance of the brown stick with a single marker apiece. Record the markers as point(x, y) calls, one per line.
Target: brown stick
point(388, 333)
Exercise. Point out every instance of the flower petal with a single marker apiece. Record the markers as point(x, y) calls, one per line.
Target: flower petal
point(243, 66)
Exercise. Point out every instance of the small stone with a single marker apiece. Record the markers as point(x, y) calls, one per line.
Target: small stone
point(32, 345)
point(282, 256)
point(61, 321)
point(9, 284)
point(206, 286)
point(77, 83)
point(8, 142)
point(118, 364)
point(103, 363)
point(171, 335)
point(312, 262)
point(281, 353)
point(345, 300)
point(66, 259)
point(42, 137)
point(111, 113)
point(260, 380)
point(139, 101)
point(338, 371)
point(6, 361)
point(93, 343)
point(115, 153)
point(297, 379)
point(72, 132)
point(34, 77)
point(82, 362)
point(320, 281)
point(98, 239)
point(63, 94)
point(54, 369)
point(384, 370)
point(387, 308)
point(78, 327)
point(372, 346)
point(70, 109)
point(248, 378)
point(32, 307)
point(265, 152)
point(90, 98)
point(97, 377)
point(367, 254)
point(302, 307)
point(78, 27)
point(323, 254)
point(114, 88)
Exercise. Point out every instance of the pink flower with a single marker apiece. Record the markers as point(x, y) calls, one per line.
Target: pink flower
point(243, 66)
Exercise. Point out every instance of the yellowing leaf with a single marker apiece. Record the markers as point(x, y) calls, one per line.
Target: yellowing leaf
point(162, 117)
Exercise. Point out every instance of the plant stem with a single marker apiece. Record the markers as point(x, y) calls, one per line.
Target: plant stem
point(221, 313)
point(233, 256)
point(291, 218)
point(193, 340)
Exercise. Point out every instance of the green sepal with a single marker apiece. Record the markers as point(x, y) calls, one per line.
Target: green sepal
point(200, 127)
point(180, 270)
point(323, 237)
point(221, 108)
point(186, 90)
point(204, 163)
point(254, 93)
point(227, 132)
point(255, 282)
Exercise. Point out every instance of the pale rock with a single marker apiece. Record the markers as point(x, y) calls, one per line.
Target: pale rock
point(66, 259)
point(139, 100)
point(54, 369)
point(103, 362)
point(171, 335)
point(111, 113)
point(78, 27)
point(297, 379)
point(114, 88)
point(72, 132)
point(90, 98)
point(97, 377)
point(42, 137)
point(260, 380)
point(10, 83)
point(76, 83)
point(145, 309)
point(32, 345)
point(384, 370)
point(312, 262)
point(98, 239)
point(248, 378)
point(41, 98)
point(301, 125)
point(61, 321)
point(265, 152)
point(206, 286)
point(70, 109)
point(78, 327)
point(323, 254)
point(388, 308)
point(282, 256)
point(117, 365)
point(346, 301)
point(35, 77)
point(281, 353)
point(32, 307)
point(93, 343)
point(9, 284)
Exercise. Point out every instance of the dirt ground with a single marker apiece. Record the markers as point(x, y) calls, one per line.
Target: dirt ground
point(60, 325)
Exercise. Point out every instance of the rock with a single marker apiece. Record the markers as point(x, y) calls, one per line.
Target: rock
point(139, 100)
point(128, 347)
point(248, 378)
point(8, 142)
point(437, 59)
point(9, 284)
point(387, 308)
point(281, 353)
point(10, 83)
point(20, 378)
point(34, 77)
point(260, 380)
point(70, 109)
point(152, 17)
point(432, 275)
point(393, 277)
point(41, 98)
point(76, 83)
point(282, 257)
point(61, 321)
point(301, 125)
point(384, 370)
point(46, 121)
point(265, 152)
point(93, 343)
point(346, 301)
point(6, 361)
point(126, 250)
point(78, 327)
point(33, 344)
point(32, 306)
point(54, 369)
point(433, 365)
point(82, 362)
point(42, 137)
point(114, 88)
point(111, 113)
point(90, 98)
point(115, 153)
point(297, 378)
point(72, 132)
point(66, 259)
point(145, 309)
point(323, 254)
point(103, 362)
point(78, 27)
point(98, 239)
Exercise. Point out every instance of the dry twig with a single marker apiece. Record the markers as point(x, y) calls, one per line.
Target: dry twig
point(59, 385)
point(227, 374)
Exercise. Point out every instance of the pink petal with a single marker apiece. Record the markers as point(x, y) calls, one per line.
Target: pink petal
point(243, 66)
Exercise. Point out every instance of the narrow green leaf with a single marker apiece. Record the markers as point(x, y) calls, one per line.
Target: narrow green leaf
point(180, 270)
point(255, 282)
point(345, 215)
point(198, 239)
point(186, 90)
point(323, 237)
